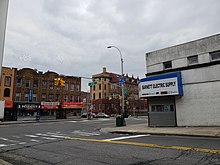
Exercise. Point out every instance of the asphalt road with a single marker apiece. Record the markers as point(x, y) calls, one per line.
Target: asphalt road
point(81, 142)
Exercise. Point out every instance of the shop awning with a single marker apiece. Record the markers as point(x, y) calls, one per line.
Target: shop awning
point(8, 104)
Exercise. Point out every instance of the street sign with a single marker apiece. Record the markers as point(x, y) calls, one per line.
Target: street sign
point(126, 91)
point(121, 80)
point(92, 83)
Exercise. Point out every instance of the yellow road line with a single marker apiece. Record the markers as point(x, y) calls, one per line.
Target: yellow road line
point(148, 145)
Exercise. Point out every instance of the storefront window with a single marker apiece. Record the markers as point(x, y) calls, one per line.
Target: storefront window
point(162, 108)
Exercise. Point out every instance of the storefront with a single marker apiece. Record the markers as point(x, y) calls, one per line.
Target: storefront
point(27, 111)
point(9, 113)
point(161, 92)
point(72, 109)
point(48, 110)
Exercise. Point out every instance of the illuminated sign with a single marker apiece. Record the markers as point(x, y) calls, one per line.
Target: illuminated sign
point(50, 105)
point(72, 105)
point(163, 85)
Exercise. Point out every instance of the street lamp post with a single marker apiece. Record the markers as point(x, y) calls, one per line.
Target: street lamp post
point(122, 76)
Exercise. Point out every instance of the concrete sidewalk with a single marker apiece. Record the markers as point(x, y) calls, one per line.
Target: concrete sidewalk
point(180, 131)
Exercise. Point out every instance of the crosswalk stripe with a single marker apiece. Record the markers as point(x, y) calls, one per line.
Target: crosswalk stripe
point(126, 137)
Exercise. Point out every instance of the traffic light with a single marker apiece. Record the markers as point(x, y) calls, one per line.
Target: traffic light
point(56, 82)
point(62, 82)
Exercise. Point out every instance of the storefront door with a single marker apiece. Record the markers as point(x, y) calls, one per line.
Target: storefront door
point(162, 111)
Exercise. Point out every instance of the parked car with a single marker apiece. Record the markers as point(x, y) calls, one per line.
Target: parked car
point(102, 115)
point(94, 115)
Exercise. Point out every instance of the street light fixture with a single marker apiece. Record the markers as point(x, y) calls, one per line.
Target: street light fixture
point(122, 77)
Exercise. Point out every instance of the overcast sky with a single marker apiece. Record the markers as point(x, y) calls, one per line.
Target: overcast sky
point(70, 37)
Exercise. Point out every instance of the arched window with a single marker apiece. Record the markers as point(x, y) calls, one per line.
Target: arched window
point(7, 92)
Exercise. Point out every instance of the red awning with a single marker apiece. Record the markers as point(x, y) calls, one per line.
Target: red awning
point(8, 104)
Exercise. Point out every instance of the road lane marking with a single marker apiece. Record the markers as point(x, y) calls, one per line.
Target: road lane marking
point(204, 150)
point(54, 136)
point(5, 139)
point(33, 136)
point(127, 137)
point(34, 140)
point(3, 145)
point(81, 133)
point(48, 138)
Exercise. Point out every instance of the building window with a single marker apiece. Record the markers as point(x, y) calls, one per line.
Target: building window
point(57, 97)
point(66, 86)
point(26, 97)
point(77, 87)
point(51, 84)
point(50, 97)
point(192, 60)
point(35, 83)
point(34, 97)
point(28, 83)
point(7, 81)
point(18, 97)
point(77, 98)
point(100, 86)
point(72, 87)
point(94, 88)
point(18, 82)
point(44, 84)
point(215, 56)
point(66, 98)
point(71, 98)
point(100, 95)
point(167, 65)
point(105, 86)
point(7, 92)
point(44, 97)
point(93, 96)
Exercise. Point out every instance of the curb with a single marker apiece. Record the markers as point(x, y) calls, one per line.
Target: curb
point(164, 134)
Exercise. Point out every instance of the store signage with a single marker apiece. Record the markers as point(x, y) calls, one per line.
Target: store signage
point(28, 106)
point(72, 105)
point(50, 105)
point(8, 104)
point(163, 85)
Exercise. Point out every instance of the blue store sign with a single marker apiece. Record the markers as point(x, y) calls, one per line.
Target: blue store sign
point(162, 85)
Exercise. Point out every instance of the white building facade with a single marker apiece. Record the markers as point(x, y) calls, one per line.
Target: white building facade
point(182, 84)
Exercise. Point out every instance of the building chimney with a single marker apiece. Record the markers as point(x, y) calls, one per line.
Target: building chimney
point(104, 70)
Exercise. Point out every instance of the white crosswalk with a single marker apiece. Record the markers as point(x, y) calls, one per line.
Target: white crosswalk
point(41, 137)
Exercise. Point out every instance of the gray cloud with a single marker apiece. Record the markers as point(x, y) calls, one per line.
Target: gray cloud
point(71, 36)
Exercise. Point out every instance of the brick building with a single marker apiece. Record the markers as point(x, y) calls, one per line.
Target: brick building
point(6, 91)
point(106, 94)
point(33, 92)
